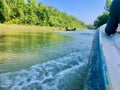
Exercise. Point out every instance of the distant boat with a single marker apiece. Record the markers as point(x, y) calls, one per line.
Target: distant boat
point(73, 29)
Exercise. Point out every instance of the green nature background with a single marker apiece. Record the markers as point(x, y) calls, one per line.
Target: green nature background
point(31, 12)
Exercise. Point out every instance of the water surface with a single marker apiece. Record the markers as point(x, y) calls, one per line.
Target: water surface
point(19, 50)
point(44, 61)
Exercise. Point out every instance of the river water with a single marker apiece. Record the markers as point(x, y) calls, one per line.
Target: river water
point(44, 61)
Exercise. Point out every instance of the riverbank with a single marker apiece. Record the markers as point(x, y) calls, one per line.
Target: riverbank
point(31, 27)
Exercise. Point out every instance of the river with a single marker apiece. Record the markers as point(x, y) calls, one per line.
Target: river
point(44, 61)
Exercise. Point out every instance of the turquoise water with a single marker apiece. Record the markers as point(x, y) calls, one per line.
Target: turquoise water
point(44, 61)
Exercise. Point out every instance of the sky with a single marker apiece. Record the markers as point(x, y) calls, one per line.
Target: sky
point(85, 10)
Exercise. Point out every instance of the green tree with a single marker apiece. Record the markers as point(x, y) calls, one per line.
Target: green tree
point(4, 11)
point(34, 13)
point(102, 19)
point(16, 7)
point(108, 4)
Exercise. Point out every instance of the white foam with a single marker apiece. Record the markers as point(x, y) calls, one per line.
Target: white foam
point(52, 74)
point(41, 75)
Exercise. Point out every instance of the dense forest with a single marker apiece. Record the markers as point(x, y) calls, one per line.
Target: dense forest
point(35, 13)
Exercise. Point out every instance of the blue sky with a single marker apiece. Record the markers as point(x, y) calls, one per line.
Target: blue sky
point(85, 10)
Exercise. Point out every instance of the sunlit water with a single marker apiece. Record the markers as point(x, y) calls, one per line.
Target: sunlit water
point(44, 61)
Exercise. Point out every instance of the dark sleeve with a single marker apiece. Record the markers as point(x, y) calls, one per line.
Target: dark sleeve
point(113, 21)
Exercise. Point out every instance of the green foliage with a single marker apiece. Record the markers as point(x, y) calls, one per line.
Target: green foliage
point(33, 13)
point(101, 20)
point(4, 11)
point(108, 4)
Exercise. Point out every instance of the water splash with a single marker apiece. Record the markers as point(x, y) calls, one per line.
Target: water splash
point(67, 72)
point(46, 76)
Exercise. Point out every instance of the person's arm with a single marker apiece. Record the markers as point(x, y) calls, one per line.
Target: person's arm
point(113, 21)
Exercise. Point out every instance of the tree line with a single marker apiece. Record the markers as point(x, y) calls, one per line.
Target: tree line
point(35, 13)
point(102, 19)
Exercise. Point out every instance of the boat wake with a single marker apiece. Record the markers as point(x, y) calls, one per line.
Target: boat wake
point(67, 71)
point(52, 75)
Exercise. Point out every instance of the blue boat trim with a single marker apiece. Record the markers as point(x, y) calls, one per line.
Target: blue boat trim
point(98, 77)
point(104, 69)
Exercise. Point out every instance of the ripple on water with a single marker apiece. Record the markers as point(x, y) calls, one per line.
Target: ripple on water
point(46, 76)
point(64, 73)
